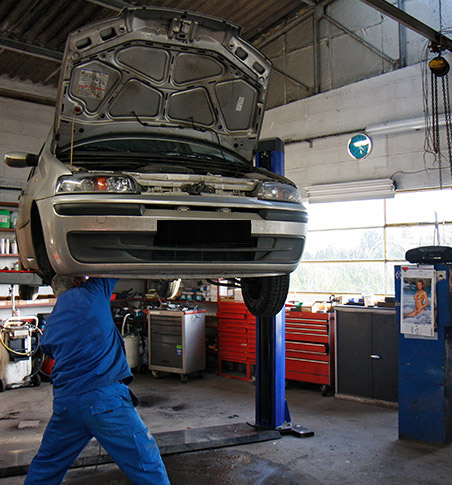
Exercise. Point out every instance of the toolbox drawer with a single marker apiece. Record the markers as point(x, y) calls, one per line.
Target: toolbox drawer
point(166, 320)
point(167, 355)
point(166, 339)
point(312, 348)
point(307, 366)
point(165, 330)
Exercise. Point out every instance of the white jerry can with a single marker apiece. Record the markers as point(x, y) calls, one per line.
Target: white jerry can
point(132, 344)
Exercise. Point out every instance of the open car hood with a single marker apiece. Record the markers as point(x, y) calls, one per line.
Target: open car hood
point(161, 72)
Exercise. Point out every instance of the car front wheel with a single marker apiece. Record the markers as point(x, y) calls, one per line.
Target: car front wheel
point(264, 297)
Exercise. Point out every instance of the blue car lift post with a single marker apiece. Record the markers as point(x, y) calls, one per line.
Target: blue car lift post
point(272, 411)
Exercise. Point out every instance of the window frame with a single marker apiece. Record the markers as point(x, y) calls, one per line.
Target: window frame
point(386, 261)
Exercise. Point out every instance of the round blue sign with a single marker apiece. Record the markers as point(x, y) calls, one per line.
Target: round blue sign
point(359, 146)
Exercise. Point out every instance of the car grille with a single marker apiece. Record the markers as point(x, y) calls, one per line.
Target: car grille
point(182, 242)
point(175, 241)
point(193, 184)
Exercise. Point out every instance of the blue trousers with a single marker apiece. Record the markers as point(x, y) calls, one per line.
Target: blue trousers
point(108, 415)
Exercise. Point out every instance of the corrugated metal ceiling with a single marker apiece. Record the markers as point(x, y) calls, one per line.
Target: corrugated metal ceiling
point(33, 32)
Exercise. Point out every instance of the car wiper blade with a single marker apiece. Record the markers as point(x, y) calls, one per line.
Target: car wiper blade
point(96, 154)
point(93, 147)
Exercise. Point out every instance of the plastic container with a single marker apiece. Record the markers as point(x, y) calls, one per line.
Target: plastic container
point(132, 345)
point(5, 219)
point(13, 218)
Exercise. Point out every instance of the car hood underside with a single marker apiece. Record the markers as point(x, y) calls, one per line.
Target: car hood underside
point(153, 71)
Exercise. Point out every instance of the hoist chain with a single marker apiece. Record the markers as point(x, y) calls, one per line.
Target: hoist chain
point(435, 126)
point(447, 115)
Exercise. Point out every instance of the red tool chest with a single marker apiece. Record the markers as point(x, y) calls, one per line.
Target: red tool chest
point(309, 344)
point(236, 339)
point(310, 347)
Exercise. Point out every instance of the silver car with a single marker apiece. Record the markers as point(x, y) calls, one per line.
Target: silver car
point(148, 171)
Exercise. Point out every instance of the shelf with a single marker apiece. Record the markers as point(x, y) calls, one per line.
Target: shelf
point(11, 277)
point(9, 204)
point(7, 229)
point(9, 255)
point(40, 302)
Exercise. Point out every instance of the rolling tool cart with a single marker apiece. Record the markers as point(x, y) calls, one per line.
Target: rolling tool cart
point(310, 348)
point(177, 342)
point(20, 338)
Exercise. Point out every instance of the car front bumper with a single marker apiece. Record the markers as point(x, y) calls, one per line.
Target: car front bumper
point(160, 236)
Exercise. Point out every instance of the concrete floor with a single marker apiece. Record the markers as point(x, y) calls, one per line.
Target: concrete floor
point(354, 443)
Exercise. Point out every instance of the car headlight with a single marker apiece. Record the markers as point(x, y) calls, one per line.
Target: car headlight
point(98, 183)
point(278, 191)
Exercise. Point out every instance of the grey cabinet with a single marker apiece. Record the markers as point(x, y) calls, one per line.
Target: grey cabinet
point(176, 341)
point(367, 353)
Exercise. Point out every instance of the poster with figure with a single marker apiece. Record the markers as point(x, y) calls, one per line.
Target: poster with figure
point(418, 301)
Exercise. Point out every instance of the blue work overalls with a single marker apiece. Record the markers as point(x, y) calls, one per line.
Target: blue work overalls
point(90, 396)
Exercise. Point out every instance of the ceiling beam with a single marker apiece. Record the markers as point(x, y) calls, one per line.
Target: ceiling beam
point(116, 5)
point(436, 38)
point(30, 97)
point(31, 50)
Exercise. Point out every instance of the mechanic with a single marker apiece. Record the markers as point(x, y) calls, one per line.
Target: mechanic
point(91, 397)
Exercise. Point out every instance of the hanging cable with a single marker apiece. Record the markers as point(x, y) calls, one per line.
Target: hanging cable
point(77, 110)
point(447, 115)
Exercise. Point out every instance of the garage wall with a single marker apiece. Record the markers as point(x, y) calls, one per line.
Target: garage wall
point(368, 44)
point(23, 127)
point(316, 131)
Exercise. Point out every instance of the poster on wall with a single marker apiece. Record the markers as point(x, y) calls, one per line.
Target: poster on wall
point(417, 305)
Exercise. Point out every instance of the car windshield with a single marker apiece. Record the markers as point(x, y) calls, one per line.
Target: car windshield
point(130, 153)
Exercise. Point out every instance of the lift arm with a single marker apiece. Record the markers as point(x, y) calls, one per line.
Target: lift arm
point(436, 38)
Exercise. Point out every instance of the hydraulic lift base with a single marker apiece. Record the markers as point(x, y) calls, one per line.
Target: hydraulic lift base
point(289, 428)
point(169, 443)
point(295, 429)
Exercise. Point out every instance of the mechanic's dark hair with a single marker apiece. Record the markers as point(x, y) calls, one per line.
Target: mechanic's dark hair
point(62, 283)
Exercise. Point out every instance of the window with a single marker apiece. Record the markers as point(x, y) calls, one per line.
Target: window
point(352, 247)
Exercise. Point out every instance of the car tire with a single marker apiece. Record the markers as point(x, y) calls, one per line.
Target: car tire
point(264, 297)
point(45, 271)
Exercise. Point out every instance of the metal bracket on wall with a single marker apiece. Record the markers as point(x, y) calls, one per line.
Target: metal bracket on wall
point(393, 62)
point(291, 78)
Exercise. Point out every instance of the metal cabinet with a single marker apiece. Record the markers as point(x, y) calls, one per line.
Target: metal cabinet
point(367, 353)
point(176, 341)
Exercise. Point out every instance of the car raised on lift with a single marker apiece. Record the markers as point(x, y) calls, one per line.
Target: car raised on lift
point(149, 169)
